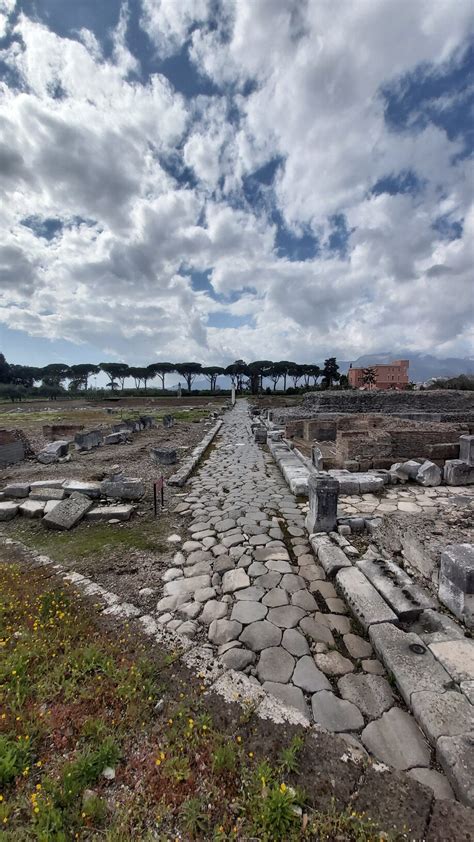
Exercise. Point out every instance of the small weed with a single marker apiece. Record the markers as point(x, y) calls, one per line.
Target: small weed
point(224, 758)
point(15, 757)
point(178, 769)
point(289, 756)
point(194, 817)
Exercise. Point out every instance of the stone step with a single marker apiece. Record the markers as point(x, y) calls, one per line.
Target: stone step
point(105, 513)
point(364, 601)
point(406, 598)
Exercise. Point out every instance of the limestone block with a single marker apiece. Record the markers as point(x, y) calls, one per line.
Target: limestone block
point(164, 456)
point(429, 474)
point(32, 508)
point(323, 492)
point(90, 489)
point(115, 438)
point(364, 601)
point(68, 512)
point(87, 441)
point(457, 472)
point(47, 494)
point(53, 451)
point(8, 510)
point(456, 581)
point(17, 489)
point(466, 449)
point(124, 488)
point(105, 513)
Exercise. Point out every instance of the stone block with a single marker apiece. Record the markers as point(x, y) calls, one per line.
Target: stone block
point(47, 483)
point(260, 435)
point(125, 488)
point(332, 558)
point(12, 450)
point(396, 740)
point(164, 455)
point(457, 472)
point(68, 512)
point(168, 421)
point(90, 489)
point(323, 492)
point(411, 663)
point(8, 510)
point(429, 474)
point(457, 657)
point(456, 581)
point(105, 513)
point(115, 438)
point(406, 598)
point(87, 441)
point(17, 489)
point(53, 451)
point(466, 449)
point(370, 483)
point(45, 494)
point(446, 714)
point(364, 601)
point(317, 457)
point(456, 756)
point(32, 508)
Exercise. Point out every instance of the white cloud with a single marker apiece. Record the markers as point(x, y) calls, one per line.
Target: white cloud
point(85, 142)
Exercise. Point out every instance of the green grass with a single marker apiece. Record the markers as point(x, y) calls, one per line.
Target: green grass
point(90, 541)
point(81, 701)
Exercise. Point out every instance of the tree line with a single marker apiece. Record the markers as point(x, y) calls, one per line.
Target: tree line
point(244, 376)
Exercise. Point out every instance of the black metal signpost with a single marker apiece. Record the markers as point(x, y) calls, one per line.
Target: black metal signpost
point(159, 485)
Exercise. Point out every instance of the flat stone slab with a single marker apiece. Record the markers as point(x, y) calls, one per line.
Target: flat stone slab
point(275, 553)
point(336, 715)
point(406, 598)
point(371, 693)
point(457, 657)
point(319, 632)
point(357, 646)
point(32, 508)
point(124, 489)
point(235, 580)
point(104, 513)
point(45, 494)
point(261, 635)
point(90, 489)
point(295, 642)
point(237, 658)
point(251, 594)
point(333, 663)
point(8, 510)
point(433, 779)
point(246, 612)
point(290, 582)
point(364, 601)
point(189, 585)
point(307, 676)
point(456, 755)
point(222, 631)
point(289, 695)
point(17, 489)
point(213, 610)
point(68, 512)
point(411, 663)
point(332, 558)
point(275, 664)
point(446, 714)
point(396, 740)
point(275, 597)
point(286, 617)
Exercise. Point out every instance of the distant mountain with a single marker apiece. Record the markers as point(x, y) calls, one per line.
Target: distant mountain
point(422, 366)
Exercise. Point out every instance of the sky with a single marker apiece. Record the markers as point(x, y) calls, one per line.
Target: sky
point(215, 180)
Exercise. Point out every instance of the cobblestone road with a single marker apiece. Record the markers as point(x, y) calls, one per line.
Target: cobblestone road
point(247, 583)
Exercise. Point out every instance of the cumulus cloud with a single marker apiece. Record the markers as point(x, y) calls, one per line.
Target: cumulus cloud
point(144, 187)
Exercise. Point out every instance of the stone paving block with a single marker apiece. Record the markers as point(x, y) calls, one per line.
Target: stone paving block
point(457, 657)
point(235, 580)
point(295, 643)
point(184, 586)
point(247, 612)
point(125, 488)
point(307, 676)
point(222, 631)
point(364, 601)
point(45, 494)
point(261, 635)
point(288, 694)
point(213, 610)
point(251, 594)
point(333, 663)
point(435, 627)
point(332, 558)
point(372, 694)
point(433, 779)
point(275, 664)
point(450, 820)
point(442, 714)
point(411, 663)
point(319, 632)
point(335, 714)
point(396, 740)
point(286, 617)
point(456, 756)
point(357, 646)
point(237, 658)
point(90, 489)
point(8, 510)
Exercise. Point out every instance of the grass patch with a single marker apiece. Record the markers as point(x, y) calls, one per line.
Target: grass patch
point(90, 540)
point(98, 741)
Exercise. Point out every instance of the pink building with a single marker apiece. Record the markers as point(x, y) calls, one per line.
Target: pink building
point(391, 376)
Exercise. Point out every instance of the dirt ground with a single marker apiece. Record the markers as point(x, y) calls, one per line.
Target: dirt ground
point(124, 557)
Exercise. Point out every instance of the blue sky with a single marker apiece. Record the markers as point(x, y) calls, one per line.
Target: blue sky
point(223, 179)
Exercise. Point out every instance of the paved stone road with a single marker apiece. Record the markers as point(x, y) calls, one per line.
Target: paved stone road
point(246, 582)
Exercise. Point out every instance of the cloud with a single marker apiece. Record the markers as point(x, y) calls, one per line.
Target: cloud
point(148, 188)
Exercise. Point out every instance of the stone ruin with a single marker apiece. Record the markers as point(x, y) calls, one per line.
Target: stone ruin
point(62, 504)
point(118, 433)
point(14, 447)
